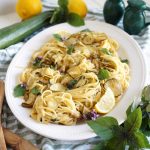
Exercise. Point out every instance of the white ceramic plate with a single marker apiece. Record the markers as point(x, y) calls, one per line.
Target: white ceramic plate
point(128, 49)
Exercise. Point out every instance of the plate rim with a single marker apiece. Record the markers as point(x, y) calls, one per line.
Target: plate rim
point(92, 134)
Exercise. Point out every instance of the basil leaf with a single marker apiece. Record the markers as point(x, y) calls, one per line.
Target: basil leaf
point(116, 143)
point(35, 91)
point(146, 132)
point(37, 62)
point(131, 108)
point(145, 124)
point(125, 61)
point(63, 3)
point(103, 127)
point(139, 140)
point(100, 146)
point(148, 108)
point(86, 30)
point(70, 49)
point(105, 51)
point(57, 37)
point(146, 94)
point(58, 16)
point(19, 90)
point(75, 20)
point(133, 122)
point(149, 123)
point(131, 148)
point(71, 84)
point(103, 74)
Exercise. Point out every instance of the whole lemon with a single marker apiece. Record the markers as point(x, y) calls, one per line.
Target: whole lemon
point(28, 8)
point(77, 6)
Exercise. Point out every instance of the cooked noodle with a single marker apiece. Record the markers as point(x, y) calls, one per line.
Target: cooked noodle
point(65, 73)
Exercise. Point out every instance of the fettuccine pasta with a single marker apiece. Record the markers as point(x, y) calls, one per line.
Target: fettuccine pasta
point(67, 77)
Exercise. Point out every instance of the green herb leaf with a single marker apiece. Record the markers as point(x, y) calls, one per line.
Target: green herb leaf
point(57, 37)
point(86, 30)
point(148, 108)
point(58, 16)
point(133, 121)
point(146, 94)
point(138, 140)
point(75, 20)
point(35, 91)
point(70, 49)
point(71, 84)
point(63, 3)
point(131, 108)
point(19, 90)
point(100, 146)
point(116, 143)
point(103, 74)
point(146, 132)
point(145, 127)
point(105, 51)
point(125, 61)
point(37, 62)
point(103, 127)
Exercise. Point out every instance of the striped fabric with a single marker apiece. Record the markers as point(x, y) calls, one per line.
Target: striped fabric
point(10, 121)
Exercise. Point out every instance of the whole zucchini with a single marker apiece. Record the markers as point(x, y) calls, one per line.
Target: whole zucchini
point(17, 32)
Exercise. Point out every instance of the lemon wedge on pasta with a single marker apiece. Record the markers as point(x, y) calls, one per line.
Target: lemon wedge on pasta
point(106, 102)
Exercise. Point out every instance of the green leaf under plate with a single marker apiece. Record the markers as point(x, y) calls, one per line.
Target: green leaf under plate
point(139, 140)
point(131, 108)
point(100, 146)
point(133, 121)
point(116, 144)
point(103, 127)
point(146, 93)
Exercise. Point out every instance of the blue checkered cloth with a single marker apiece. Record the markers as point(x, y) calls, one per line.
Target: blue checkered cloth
point(10, 121)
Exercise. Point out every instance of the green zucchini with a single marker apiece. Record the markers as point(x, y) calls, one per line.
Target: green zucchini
point(19, 31)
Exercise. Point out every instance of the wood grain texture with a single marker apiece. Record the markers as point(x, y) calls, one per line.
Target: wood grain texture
point(2, 140)
point(17, 142)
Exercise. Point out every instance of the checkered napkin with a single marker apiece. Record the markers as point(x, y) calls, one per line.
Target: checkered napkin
point(10, 121)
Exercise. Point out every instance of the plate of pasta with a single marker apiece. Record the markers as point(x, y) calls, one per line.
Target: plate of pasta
point(66, 75)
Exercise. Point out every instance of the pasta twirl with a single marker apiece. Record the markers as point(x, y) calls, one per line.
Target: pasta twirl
point(66, 78)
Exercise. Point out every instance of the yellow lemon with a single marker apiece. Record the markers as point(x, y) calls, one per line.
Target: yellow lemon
point(78, 7)
point(28, 8)
point(106, 103)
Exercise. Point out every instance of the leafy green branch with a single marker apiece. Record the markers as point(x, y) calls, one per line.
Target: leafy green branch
point(61, 14)
point(131, 133)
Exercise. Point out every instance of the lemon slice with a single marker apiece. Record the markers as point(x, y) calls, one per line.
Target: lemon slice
point(106, 103)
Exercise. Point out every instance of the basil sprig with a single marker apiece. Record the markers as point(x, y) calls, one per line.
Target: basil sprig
point(35, 91)
point(61, 14)
point(71, 84)
point(58, 37)
point(103, 74)
point(125, 61)
point(19, 90)
point(106, 51)
point(70, 49)
point(131, 134)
